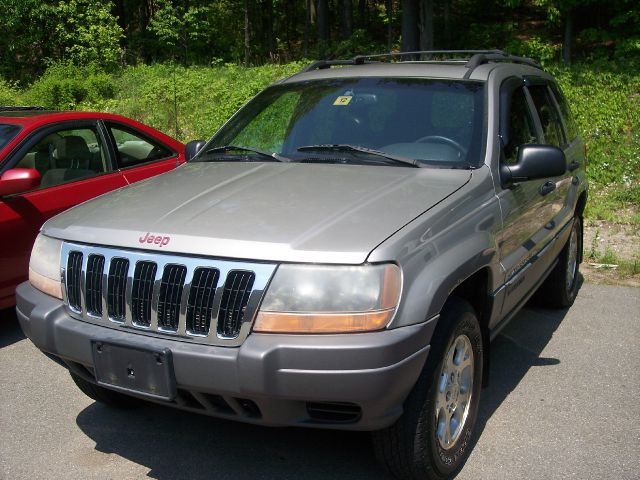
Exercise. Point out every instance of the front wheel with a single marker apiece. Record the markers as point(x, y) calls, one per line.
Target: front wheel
point(431, 440)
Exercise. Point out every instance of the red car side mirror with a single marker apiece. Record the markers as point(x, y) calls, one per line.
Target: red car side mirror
point(17, 180)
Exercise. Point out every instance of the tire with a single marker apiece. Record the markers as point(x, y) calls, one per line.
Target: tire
point(560, 288)
point(417, 446)
point(104, 395)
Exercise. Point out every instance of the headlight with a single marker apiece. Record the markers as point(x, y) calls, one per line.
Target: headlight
point(44, 266)
point(330, 299)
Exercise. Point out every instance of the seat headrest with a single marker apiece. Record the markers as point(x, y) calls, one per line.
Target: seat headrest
point(72, 147)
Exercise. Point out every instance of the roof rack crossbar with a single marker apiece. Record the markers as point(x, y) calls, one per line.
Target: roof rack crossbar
point(19, 108)
point(361, 59)
point(472, 58)
point(458, 53)
point(322, 64)
point(482, 58)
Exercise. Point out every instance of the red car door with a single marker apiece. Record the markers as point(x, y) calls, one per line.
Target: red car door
point(75, 166)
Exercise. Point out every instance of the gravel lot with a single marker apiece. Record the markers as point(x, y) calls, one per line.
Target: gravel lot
point(563, 403)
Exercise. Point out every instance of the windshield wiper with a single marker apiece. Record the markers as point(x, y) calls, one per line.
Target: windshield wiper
point(357, 148)
point(230, 148)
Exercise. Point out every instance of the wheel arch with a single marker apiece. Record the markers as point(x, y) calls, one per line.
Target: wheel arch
point(475, 290)
point(462, 270)
point(579, 212)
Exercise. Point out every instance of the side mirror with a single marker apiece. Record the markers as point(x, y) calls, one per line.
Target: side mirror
point(192, 148)
point(17, 180)
point(534, 162)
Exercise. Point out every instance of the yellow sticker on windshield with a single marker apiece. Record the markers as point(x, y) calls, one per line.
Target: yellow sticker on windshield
point(343, 100)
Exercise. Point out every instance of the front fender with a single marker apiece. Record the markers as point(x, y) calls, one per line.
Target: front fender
point(444, 247)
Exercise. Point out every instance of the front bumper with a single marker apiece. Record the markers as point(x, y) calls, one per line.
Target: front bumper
point(280, 380)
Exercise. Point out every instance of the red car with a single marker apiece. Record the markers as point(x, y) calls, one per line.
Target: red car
point(51, 161)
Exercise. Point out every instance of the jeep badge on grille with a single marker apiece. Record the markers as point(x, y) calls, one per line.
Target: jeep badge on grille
point(155, 239)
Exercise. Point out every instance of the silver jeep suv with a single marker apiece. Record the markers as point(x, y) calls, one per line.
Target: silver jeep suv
point(300, 271)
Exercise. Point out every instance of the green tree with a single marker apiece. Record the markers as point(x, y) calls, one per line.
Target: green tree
point(180, 25)
point(37, 33)
point(25, 41)
point(86, 32)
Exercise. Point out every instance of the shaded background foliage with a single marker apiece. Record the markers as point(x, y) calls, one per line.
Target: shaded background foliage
point(144, 58)
point(198, 32)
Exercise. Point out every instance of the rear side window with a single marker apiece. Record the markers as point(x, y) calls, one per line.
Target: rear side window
point(569, 121)
point(7, 133)
point(134, 149)
point(548, 114)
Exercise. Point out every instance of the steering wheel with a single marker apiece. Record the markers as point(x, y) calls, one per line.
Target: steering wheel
point(444, 140)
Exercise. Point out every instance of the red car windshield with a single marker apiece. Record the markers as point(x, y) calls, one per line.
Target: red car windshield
point(7, 132)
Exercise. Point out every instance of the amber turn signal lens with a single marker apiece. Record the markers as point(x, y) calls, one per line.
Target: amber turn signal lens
point(45, 284)
point(276, 322)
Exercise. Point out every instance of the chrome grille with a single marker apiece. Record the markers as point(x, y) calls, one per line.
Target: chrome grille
point(200, 306)
point(74, 272)
point(142, 290)
point(93, 288)
point(198, 299)
point(117, 283)
point(170, 296)
point(234, 301)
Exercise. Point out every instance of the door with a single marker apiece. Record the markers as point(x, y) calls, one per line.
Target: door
point(137, 155)
point(574, 150)
point(74, 165)
point(554, 134)
point(528, 208)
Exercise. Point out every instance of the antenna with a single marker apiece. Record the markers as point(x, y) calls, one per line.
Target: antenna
point(175, 98)
point(175, 107)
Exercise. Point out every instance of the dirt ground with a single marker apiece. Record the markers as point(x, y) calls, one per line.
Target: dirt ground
point(613, 240)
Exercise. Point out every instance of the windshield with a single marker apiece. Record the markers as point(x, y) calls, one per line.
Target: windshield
point(7, 132)
point(436, 122)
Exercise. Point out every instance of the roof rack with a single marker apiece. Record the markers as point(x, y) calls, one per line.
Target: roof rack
point(20, 108)
point(470, 58)
point(497, 56)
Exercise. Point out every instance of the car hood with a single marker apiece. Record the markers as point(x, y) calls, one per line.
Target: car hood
point(295, 212)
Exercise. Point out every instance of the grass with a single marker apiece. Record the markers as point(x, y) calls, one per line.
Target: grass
point(604, 95)
point(609, 259)
point(610, 205)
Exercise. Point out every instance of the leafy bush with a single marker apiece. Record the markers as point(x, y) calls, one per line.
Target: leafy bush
point(534, 47)
point(204, 96)
point(9, 93)
point(606, 102)
point(190, 103)
point(66, 87)
point(484, 35)
point(359, 42)
point(86, 32)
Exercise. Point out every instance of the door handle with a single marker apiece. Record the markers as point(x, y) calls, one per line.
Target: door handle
point(546, 188)
point(573, 165)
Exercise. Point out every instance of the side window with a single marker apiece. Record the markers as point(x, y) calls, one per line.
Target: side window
point(521, 127)
point(569, 121)
point(549, 116)
point(134, 149)
point(66, 155)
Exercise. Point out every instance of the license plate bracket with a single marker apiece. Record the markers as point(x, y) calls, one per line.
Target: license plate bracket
point(133, 369)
